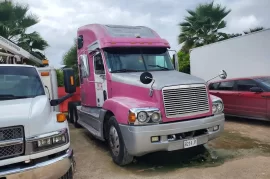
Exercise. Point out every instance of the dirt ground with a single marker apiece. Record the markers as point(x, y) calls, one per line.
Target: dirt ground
point(243, 151)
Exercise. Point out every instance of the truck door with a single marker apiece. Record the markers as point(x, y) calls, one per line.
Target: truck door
point(100, 80)
point(84, 74)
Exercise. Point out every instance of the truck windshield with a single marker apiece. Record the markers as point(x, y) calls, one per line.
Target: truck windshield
point(138, 59)
point(19, 82)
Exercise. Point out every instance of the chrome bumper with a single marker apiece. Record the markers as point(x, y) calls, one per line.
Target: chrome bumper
point(50, 169)
point(137, 139)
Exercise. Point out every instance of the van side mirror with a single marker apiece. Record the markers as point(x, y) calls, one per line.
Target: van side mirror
point(256, 89)
point(69, 80)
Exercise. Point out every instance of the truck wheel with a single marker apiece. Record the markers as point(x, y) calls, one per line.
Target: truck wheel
point(68, 175)
point(70, 114)
point(117, 147)
point(75, 117)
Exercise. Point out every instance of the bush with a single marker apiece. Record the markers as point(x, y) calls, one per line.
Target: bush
point(184, 63)
point(60, 77)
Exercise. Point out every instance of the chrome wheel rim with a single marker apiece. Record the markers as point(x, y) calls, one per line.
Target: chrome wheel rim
point(114, 141)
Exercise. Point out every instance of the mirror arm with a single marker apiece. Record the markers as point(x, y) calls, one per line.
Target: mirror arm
point(56, 102)
point(212, 78)
point(151, 89)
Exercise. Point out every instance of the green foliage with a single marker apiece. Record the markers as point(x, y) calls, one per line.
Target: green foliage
point(202, 26)
point(184, 63)
point(60, 77)
point(70, 60)
point(14, 21)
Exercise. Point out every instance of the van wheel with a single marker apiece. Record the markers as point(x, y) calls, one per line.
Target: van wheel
point(116, 144)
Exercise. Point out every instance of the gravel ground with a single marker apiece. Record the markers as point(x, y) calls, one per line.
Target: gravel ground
point(243, 151)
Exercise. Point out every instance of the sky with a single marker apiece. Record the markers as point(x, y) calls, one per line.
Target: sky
point(60, 19)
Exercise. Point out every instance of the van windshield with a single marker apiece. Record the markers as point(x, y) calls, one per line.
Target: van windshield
point(19, 82)
point(138, 59)
point(265, 81)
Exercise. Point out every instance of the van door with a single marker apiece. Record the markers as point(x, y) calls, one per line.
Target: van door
point(226, 91)
point(250, 104)
point(100, 80)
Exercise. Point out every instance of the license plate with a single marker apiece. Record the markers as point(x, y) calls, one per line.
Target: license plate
point(190, 143)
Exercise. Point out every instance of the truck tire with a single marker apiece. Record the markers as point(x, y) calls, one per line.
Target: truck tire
point(75, 117)
point(116, 144)
point(70, 112)
point(68, 175)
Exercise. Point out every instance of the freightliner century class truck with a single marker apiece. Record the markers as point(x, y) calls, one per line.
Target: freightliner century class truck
point(134, 97)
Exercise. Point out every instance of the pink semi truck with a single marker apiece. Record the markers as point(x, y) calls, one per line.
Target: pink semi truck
point(133, 96)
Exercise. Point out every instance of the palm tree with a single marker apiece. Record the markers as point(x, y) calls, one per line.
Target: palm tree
point(14, 22)
point(202, 25)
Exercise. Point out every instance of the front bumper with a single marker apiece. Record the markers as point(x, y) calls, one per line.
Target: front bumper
point(137, 139)
point(50, 169)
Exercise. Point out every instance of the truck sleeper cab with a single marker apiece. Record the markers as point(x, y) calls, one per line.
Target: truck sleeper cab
point(34, 137)
point(132, 96)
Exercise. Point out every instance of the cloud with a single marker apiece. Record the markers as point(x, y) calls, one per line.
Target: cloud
point(59, 19)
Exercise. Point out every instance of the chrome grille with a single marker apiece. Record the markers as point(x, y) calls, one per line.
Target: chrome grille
point(185, 100)
point(11, 141)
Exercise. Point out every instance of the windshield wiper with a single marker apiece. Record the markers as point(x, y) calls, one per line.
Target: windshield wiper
point(164, 68)
point(124, 70)
point(10, 96)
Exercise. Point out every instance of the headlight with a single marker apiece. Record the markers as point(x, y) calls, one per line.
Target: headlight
point(144, 116)
point(48, 141)
point(155, 117)
point(217, 107)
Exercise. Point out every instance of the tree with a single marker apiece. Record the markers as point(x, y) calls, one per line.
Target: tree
point(254, 30)
point(202, 26)
point(184, 63)
point(70, 60)
point(14, 21)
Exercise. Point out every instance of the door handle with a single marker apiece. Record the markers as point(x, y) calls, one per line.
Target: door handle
point(265, 96)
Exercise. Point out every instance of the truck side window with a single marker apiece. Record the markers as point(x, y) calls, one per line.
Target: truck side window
point(226, 86)
point(98, 63)
point(84, 66)
point(245, 85)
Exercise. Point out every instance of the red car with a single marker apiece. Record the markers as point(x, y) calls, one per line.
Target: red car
point(244, 97)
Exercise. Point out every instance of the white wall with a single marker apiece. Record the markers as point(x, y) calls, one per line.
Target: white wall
point(243, 56)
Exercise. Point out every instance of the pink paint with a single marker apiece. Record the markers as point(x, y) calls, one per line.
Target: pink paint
point(120, 96)
point(129, 96)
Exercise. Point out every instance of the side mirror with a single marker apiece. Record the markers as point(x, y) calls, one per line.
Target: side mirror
point(223, 74)
point(173, 60)
point(146, 77)
point(69, 80)
point(256, 89)
point(80, 42)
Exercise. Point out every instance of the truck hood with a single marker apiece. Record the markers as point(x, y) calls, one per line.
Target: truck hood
point(25, 112)
point(13, 109)
point(162, 79)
